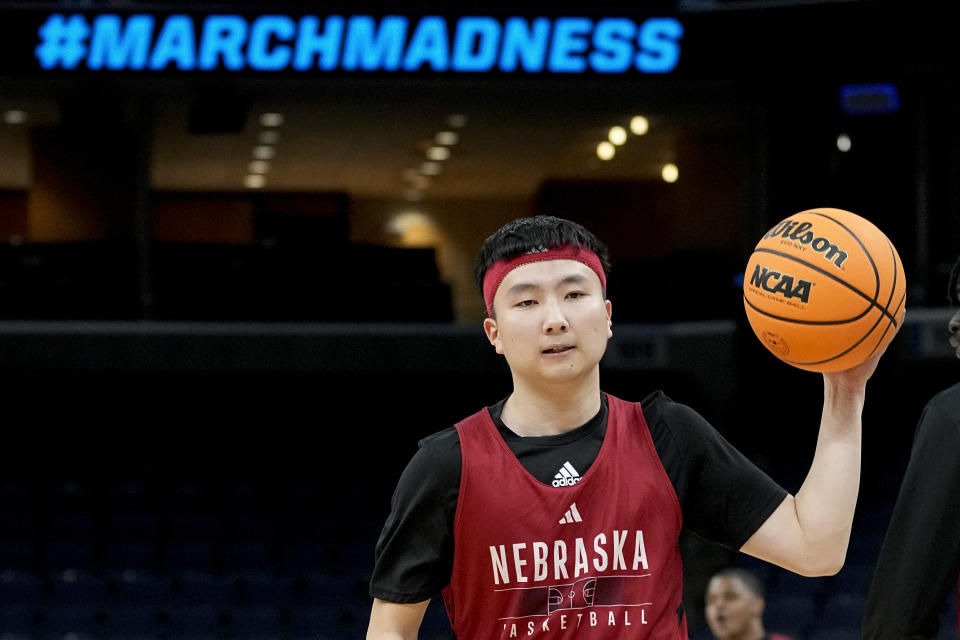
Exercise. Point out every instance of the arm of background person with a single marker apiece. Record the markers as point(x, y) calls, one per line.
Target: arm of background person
point(920, 558)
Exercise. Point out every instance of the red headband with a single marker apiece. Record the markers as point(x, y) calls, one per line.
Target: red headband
point(499, 269)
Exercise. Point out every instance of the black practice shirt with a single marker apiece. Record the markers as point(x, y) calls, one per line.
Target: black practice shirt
point(723, 496)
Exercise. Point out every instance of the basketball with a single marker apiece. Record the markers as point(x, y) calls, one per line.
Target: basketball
point(824, 290)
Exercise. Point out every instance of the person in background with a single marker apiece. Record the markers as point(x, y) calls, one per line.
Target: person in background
point(920, 557)
point(734, 607)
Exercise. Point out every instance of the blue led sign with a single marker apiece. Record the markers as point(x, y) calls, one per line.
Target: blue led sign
point(272, 43)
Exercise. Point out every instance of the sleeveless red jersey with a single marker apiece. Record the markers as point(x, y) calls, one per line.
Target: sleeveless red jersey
point(598, 559)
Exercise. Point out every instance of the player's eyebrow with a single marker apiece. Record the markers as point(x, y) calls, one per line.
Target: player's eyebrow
point(522, 287)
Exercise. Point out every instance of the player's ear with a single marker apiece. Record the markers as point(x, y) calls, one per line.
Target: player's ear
point(493, 333)
point(609, 319)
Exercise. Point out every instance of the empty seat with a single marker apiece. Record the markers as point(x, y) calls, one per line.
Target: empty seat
point(264, 588)
point(789, 614)
point(194, 620)
point(19, 587)
point(240, 556)
point(827, 633)
point(77, 587)
point(201, 588)
point(65, 553)
point(132, 620)
point(197, 555)
point(257, 621)
point(842, 611)
point(63, 619)
point(17, 554)
point(138, 555)
point(132, 586)
point(19, 618)
point(784, 583)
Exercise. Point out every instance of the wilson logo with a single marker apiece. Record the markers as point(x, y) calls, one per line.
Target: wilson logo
point(801, 233)
point(780, 283)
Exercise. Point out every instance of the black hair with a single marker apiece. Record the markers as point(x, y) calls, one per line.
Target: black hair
point(952, 282)
point(751, 581)
point(535, 233)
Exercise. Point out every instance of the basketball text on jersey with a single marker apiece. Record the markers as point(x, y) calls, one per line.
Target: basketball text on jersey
point(780, 283)
point(801, 233)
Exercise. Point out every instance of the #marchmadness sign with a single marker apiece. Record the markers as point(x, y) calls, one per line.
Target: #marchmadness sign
point(227, 42)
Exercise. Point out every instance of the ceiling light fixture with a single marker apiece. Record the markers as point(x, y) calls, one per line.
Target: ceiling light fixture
point(446, 138)
point(605, 150)
point(254, 181)
point(430, 168)
point(617, 135)
point(268, 137)
point(438, 153)
point(271, 119)
point(669, 172)
point(14, 116)
point(639, 125)
point(264, 152)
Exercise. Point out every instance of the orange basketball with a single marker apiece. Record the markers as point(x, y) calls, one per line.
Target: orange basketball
point(824, 290)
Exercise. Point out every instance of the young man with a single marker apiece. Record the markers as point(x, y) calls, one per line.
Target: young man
point(734, 607)
point(556, 512)
point(920, 557)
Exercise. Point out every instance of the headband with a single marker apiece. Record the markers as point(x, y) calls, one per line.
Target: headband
point(499, 269)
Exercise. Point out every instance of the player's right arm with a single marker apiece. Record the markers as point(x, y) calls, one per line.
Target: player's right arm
point(395, 621)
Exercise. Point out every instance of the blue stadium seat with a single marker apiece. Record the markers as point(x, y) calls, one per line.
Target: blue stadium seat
point(139, 555)
point(18, 554)
point(785, 583)
point(20, 587)
point(252, 554)
point(254, 622)
point(132, 620)
point(77, 587)
point(265, 588)
point(202, 588)
point(853, 578)
point(19, 618)
point(132, 586)
point(63, 619)
point(195, 620)
point(68, 553)
point(195, 555)
point(842, 611)
point(790, 614)
point(827, 633)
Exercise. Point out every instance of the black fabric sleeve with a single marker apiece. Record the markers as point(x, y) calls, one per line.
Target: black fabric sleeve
point(920, 557)
point(414, 554)
point(724, 496)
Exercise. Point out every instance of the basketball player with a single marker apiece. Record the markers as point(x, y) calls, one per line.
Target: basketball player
point(920, 557)
point(734, 607)
point(556, 512)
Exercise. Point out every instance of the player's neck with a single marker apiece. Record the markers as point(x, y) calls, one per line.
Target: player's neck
point(535, 411)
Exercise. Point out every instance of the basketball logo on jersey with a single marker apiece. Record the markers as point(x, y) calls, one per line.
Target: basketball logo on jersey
point(578, 595)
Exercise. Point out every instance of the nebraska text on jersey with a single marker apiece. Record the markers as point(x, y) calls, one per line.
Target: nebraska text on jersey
point(539, 561)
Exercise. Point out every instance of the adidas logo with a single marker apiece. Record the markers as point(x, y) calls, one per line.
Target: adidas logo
point(567, 476)
point(572, 515)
